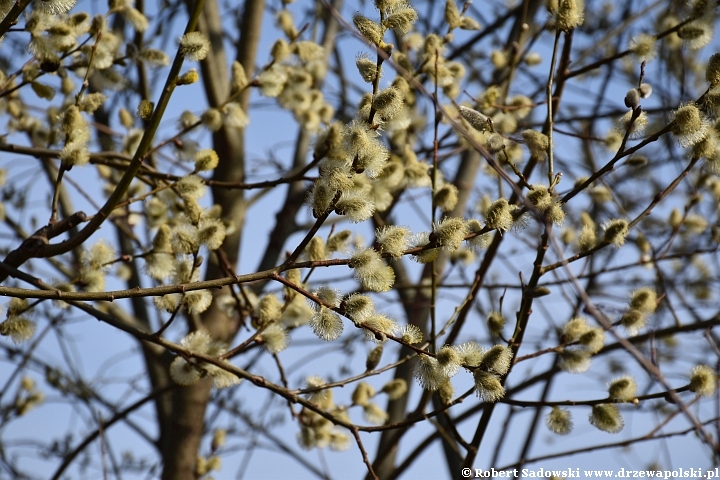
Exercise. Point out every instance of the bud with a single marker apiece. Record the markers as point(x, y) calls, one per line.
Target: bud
point(696, 34)
point(188, 78)
point(286, 24)
point(373, 358)
point(374, 414)
point(632, 98)
point(467, 23)
point(645, 90)
point(476, 119)
point(359, 307)
point(593, 340)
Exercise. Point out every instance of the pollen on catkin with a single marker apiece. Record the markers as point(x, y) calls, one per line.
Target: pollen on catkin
point(643, 46)
point(559, 421)
point(393, 239)
point(188, 78)
point(446, 197)
point(274, 338)
point(206, 159)
point(400, 18)
point(19, 329)
point(487, 386)
point(499, 215)
point(388, 103)
point(194, 46)
point(359, 307)
point(496, 322)
point(497, 360)
point(689, 125)
point(703, 380)
point(633, 320)
point(428, 373)
point(574, 360)
point(569, 15)
point(326, 324)
point(623, 389)
point(615, 232)
point(644, 299)
point(593, 340)
point(395, 388)
point(537, 143)
point(368, 28)
point(471, 354)
point(411, 334)
point(145, 109)
point(450, 232)
point(371, 271)
point(448, 360)
point(366, 67)
point(712, 71)
point(606, 417)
